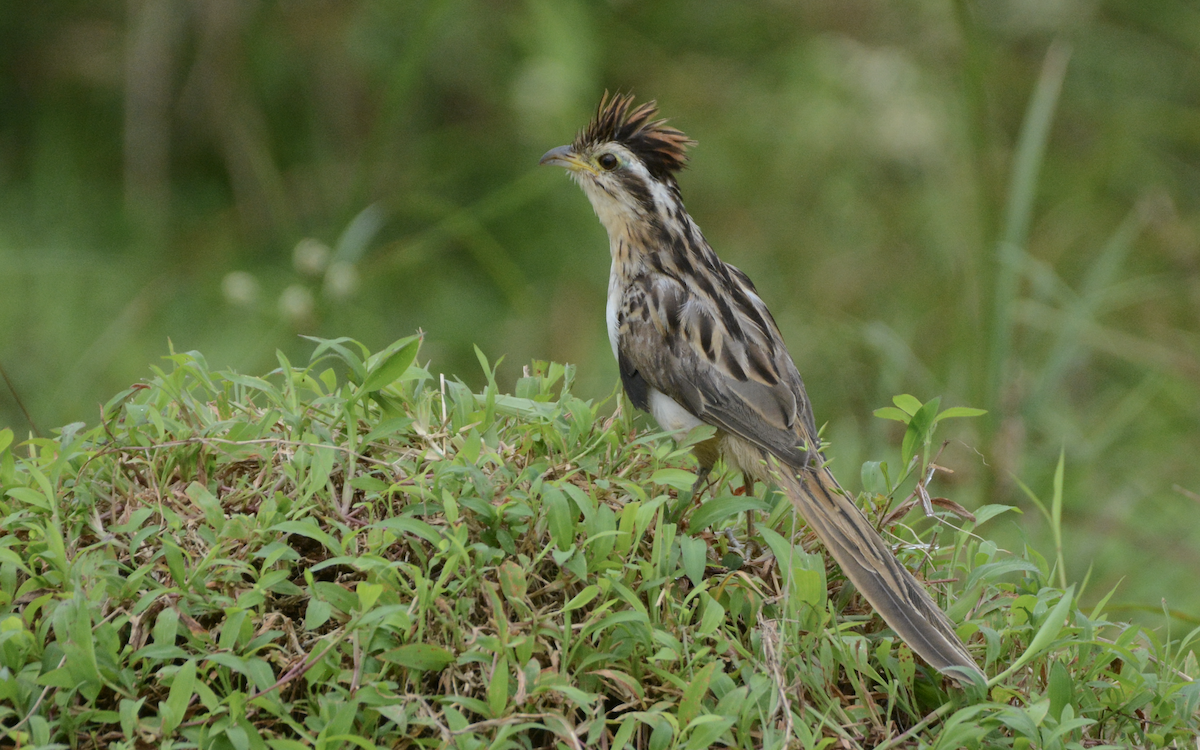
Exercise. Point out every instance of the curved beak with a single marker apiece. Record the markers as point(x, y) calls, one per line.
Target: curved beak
point(564, 156)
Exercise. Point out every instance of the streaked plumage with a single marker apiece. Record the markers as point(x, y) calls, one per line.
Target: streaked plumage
point(696, 345)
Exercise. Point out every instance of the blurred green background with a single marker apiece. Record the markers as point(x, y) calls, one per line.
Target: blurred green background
point(228, 174)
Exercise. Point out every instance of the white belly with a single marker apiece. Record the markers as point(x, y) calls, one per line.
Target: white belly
point(611, 308)
point(670, 415)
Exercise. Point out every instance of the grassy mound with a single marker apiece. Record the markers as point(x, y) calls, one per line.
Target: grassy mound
point(356, 553)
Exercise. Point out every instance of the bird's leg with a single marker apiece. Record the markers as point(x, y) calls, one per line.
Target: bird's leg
point(701, 478)
point(748, 490)
point(706, 456)
point(706, 453)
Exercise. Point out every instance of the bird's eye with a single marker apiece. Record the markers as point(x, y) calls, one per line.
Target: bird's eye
point(607, 161)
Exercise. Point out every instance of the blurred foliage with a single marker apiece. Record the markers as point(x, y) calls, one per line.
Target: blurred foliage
point(227, 174)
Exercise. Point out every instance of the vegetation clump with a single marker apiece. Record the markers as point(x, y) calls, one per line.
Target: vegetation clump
point(356, 553)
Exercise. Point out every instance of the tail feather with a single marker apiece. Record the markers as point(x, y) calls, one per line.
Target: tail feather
point(870, 565)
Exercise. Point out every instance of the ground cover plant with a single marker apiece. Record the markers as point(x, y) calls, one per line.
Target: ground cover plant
point(356, 553)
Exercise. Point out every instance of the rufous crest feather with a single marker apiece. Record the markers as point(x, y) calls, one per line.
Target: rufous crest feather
point(661, 148)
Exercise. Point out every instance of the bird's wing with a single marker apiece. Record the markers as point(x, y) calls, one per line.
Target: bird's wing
point(715, 349)
point(739, 377)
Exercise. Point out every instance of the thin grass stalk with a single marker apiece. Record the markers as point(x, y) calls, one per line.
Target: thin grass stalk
point(1031, 147)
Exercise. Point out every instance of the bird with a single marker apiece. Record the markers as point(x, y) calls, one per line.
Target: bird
point(696, 345)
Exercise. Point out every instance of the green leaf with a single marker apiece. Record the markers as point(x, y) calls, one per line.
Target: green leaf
point(368, 594)
point(175, 562)
point(29, 496)
point(214, 514)
point(723, 507)
point(919, 430)
point(677, 478)
point(129, 711)
point(407, 525)
point(1061, 689)
point(343, 353)
point(713, 616)
point(994, 570)
point(689, 704)
point(694, 553)
point(805, 571)
point(386, 367)
point(582, 598)
point(316, 614)
point(423, 656)
point(1053, 624)
point(1045, 636)
point(705, 730)
point(661, 735)
point(513, 581)
point(615, 619)
point(910, 405)
point(308, 528)
point(891, 412)
point(988, 512)
point(628, 724)
point(497, 691)
point(182, 688)
point(874, 477)
point(559, 516)
point(955, 412)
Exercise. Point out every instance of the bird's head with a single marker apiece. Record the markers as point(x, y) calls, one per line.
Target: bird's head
point(625, 160)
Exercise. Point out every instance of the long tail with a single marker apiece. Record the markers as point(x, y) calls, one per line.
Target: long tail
point(866, 560)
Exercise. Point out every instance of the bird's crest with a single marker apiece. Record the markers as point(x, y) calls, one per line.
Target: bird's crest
point(662, 149)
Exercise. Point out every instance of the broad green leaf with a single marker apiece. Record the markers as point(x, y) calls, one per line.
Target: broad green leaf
point(1051, 626)
point(694, 554)
point(29, 496)
point(689, 704)
point(615, 619)
point(582, 598)
point(387, 366)
point(677, 478)
point(407, 525)
point(513, 581)
point(721, 508)
point(705, 730)
point(988, 512)
point(317, 613)
point(214, 514)
point(368, 594)
point(342, 352)
point(423, 656)
point(891, 412)
point(308, 528)
point(919, 429)
point(129, 711)
point(497, 691)
point(712, 617)
point(956, 412)
point(1045, 636)
point(874, 477)
point(661, 736)
point(805, 571)
point(182, 688)
point(561, 519)
point(910, 405)
point(175, 562)
point(1061, 689)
